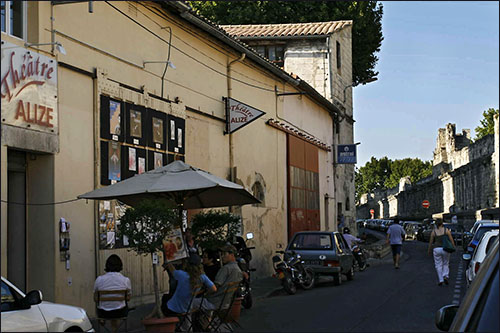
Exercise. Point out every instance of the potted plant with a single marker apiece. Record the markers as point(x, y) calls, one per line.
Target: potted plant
point(212, 229)
point(146, 225)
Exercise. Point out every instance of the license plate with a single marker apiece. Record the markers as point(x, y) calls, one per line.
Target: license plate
point(281, 275)
point(313, 262)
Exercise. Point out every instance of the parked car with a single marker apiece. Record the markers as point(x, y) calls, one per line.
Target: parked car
point(475, 260)
point(28, 313)
point(457, 232)
point(325, 252)
point(478, 311)
point(411, 229)
point(470, 234)
point(480, 231)
point(426, 233)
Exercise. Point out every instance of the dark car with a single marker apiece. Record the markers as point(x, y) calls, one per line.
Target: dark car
point(411, 228)
point(325, 252)
point(479, 309)
point(457, 232)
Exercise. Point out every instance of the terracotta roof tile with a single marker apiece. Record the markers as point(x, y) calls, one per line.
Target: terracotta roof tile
point(285, 30)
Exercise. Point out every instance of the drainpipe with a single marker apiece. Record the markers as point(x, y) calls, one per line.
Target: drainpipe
point(229, 88)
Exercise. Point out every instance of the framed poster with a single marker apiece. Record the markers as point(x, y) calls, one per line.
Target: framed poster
point(174, 247)
point(179, 137)
point(158, 157)
point(157, 130)
point(114, 172)
point(172, 129)
point(135, 123)
point(115, 114)
point(141, 164)
point(132, 161)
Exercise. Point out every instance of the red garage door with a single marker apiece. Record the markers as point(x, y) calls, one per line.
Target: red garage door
point(303, 186)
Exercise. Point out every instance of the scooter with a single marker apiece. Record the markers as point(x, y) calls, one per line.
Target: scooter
point(291, 272)
point(360, 256)
point(243, 259)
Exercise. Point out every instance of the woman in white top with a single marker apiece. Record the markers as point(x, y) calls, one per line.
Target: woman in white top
point(112, 280)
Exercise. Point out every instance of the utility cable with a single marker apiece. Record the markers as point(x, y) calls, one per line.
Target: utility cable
point(186, 54)
point(39, 204)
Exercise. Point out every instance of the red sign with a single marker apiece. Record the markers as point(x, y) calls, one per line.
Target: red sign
point(372, 211)
point(426, 204)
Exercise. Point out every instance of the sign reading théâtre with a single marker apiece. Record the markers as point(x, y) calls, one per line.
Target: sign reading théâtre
point(239, 114)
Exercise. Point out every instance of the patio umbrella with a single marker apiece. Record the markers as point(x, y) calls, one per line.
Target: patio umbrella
point(179, 184)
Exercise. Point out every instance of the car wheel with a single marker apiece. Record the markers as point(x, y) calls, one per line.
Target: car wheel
point(337, 279)
point(350, 274)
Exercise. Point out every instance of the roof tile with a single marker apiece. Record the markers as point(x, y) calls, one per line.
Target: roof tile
point(286, 30)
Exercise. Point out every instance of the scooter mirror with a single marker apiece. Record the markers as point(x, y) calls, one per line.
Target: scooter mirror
point(250, 235)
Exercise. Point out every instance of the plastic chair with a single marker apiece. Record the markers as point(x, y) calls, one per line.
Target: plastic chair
point(112, 295)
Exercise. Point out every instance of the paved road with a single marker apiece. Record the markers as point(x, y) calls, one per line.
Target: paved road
point(380, 299)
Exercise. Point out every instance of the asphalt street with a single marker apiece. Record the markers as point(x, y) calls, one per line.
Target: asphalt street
point(380, 299)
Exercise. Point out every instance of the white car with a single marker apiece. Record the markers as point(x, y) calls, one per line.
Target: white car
point(479, 254)
point(27, 313)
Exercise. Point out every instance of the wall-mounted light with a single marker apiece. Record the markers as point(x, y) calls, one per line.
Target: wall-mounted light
point(58, 46)
point(170, 64)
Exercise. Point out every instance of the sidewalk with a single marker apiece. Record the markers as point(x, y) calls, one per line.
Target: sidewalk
point(261, 288)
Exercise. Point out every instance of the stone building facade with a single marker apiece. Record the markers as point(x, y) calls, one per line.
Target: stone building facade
point(464, 182)
point(319, 53)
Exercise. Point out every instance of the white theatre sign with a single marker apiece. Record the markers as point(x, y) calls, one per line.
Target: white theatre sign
point(239, 114)
point(29, 89)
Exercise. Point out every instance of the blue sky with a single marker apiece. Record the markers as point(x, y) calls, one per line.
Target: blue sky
point(438, 64)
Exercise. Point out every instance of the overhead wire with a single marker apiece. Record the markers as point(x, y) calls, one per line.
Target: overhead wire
point(39, 204)
point(199, 37)
point(188, 55)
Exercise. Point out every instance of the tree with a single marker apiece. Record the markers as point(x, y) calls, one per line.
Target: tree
point(212, 229)
point(487, 124)
point(146, 226)
point(366, 31)
point(384, 173)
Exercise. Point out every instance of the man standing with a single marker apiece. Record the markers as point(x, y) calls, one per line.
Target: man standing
point(395, 236)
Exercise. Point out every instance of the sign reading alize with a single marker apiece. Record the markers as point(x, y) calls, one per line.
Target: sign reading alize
point(239, 114)
point(28, 89)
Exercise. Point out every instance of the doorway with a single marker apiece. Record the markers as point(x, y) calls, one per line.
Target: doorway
point(16, 218)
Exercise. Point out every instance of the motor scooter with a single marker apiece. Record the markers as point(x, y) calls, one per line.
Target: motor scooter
point(291, 272)
point(243, 258)
point(360, 256)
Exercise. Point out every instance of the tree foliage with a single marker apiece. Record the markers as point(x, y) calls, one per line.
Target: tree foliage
point(366, 31)
point(487, 124)
point(212, 229)
point(147, 225)
point(385, 173)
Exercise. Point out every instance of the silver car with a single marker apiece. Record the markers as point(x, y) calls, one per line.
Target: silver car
point(325, 252)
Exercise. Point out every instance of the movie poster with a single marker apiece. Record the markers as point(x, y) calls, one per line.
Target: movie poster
point(158, 160)
point(132, 164)
point(135, 124)
point(114, 118)
point(172, 130)
point(114, 161)
point(179, 137)
point(157, 130)
point(174, 247)
point(142, 164)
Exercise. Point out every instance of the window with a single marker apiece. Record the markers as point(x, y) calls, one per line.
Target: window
point(275, 53)
point(339, 60)
point(10, 298)
point(14, 18)
point(258, 192)
point(312, 242)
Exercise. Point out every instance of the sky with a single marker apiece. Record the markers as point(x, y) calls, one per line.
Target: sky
point(438, 64)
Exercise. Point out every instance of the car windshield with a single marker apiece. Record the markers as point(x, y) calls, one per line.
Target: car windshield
point(480, 232)
point(312, 242)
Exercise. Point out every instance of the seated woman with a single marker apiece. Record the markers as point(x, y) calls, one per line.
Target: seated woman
point(189, 279)
point(112, 280)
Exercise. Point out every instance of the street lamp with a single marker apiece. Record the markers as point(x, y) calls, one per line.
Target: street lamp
point(372, 79)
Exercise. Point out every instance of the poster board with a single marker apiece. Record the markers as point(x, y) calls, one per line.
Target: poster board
point(174, 246)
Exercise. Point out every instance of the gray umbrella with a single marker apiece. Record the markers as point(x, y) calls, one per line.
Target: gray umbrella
point(179, 184)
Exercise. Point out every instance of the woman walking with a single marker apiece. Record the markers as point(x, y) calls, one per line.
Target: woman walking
point(441, 257)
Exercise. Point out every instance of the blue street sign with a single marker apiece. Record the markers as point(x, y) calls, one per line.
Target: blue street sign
point(346, 154)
